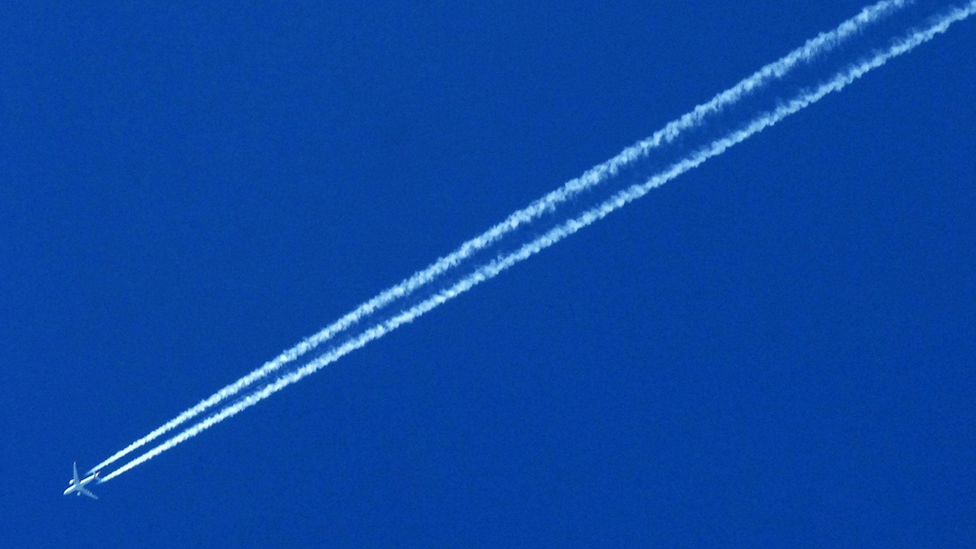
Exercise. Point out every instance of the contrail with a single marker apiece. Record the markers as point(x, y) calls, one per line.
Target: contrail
point(492, 269)
point(818, 45)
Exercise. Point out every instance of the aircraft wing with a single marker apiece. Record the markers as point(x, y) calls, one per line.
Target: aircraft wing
point(75, 467)
point(87, 492)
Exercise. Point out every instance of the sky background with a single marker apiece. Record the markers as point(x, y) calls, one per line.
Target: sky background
point(776, 349)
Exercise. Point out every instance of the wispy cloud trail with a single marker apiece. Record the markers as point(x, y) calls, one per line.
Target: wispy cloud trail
point(492, 269)
point(818, 45)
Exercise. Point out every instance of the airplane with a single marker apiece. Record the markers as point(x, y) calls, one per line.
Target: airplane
point(77, 486)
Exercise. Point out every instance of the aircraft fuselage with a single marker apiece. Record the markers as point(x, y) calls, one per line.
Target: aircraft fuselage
point(73, 488)
point(77, 485)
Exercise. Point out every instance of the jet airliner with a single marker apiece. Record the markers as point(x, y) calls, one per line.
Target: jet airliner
point(77, 486)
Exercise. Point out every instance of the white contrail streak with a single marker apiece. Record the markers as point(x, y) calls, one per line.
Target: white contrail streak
point(805, 99)
point(818, 45)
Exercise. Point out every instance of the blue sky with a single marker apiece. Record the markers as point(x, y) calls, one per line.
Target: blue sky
point(776, 349)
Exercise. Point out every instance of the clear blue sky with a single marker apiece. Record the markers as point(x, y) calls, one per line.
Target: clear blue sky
point(775, 350)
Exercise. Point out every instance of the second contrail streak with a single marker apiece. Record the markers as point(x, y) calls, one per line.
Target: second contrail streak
point(818, 45)
point(492, 269)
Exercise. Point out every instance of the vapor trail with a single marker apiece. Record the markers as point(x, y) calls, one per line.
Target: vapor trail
point(820, 44)
point(492, 269)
